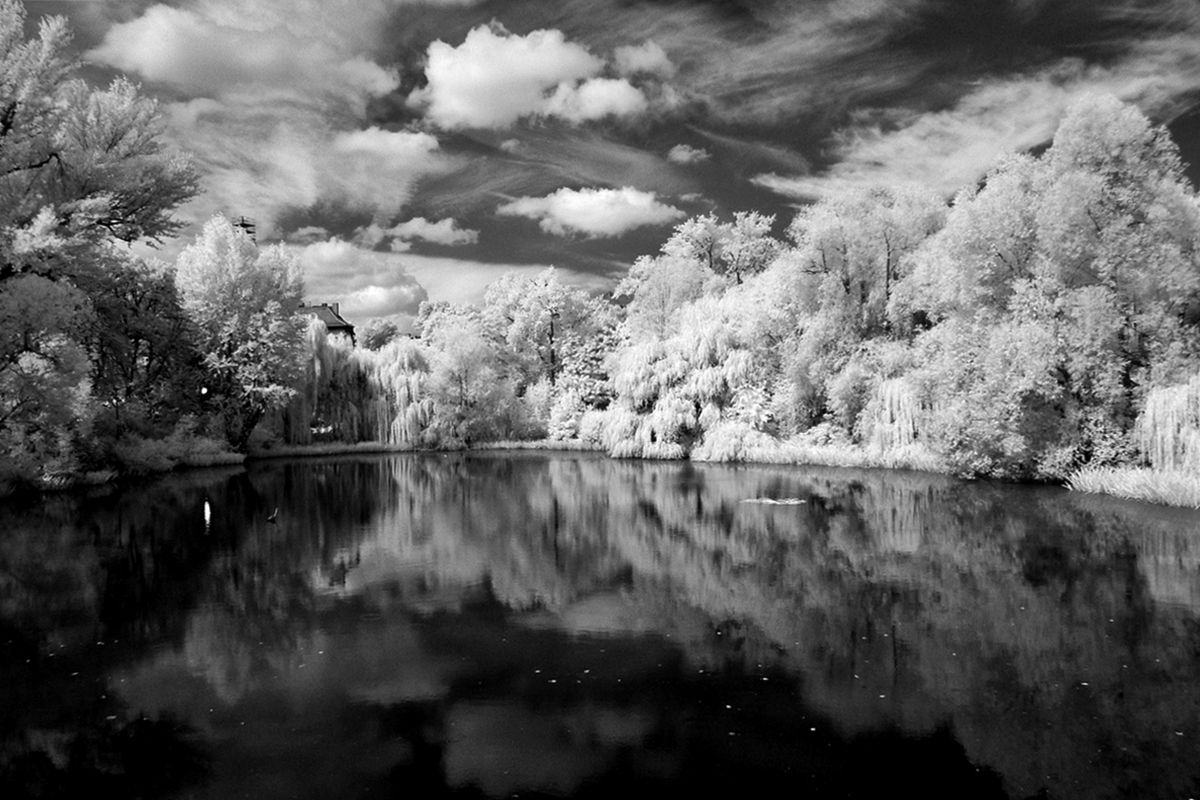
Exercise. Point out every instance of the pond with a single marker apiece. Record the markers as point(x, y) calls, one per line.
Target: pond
point(497, 625)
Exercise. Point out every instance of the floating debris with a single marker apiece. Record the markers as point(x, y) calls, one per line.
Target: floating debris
point(770, 501)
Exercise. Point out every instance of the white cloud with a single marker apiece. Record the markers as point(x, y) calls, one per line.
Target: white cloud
point(444, 232)
point(199, 55)
point(686, 154)
point(593, 212)
point(494, 78)
point(648, 57)
point(369, 283)
point(366, 283)
point(596, 98)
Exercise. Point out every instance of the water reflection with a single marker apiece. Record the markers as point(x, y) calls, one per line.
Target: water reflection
point(580, 626)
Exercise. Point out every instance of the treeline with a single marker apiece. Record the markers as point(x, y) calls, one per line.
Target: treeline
point(1020, 331)
point(1044, 321)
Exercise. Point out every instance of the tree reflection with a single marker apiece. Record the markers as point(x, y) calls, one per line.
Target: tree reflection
point(419, 609)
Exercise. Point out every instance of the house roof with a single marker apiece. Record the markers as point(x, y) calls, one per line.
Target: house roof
point(328, 314)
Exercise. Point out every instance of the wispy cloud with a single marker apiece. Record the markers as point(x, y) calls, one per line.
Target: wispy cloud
point(947, 150)
point(271, 99)
point(593, 212)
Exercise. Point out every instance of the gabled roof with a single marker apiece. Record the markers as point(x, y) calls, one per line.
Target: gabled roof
point(328, 314)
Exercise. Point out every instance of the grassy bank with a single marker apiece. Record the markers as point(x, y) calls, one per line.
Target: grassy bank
point(326, 449)
point(541, 444)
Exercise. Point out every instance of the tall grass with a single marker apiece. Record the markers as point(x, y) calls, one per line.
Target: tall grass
point(1167, 487)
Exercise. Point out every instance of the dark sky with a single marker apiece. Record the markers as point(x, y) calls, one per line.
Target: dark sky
point(420, 149)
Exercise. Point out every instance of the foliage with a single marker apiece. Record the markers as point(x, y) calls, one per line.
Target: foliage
point(353, 394)
point(1168, 429)
point(1167, 487)
point(137, 455)
point(243, 303)
point(80, 169)
point(377, 333)
point(472, 400)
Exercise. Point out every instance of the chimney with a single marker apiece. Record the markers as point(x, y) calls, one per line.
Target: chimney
point(336, 306)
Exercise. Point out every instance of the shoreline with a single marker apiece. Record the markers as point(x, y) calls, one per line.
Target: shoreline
point(1174, 489)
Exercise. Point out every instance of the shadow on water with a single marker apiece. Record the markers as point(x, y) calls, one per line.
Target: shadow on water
point(490, 625)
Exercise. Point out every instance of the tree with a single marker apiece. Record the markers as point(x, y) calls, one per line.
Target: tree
point(1083, 259)
point(90, 163)
point(659, 286)
point(378, 332)
point(542, 323)
point(747, 246)
point(79, 170)
point(472, 399)
point(146, 370)
point(244, 305)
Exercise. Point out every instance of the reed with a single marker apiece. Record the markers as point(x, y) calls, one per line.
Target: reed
point(1166, 487)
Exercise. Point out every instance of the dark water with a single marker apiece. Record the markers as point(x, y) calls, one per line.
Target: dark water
point(489, 626)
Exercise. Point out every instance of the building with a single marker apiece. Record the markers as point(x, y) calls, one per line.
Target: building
point(329, 314)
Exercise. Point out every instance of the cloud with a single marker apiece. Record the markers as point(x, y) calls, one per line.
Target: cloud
point(370, 283)
point(593, 212)
point(495, 78)
point(686, 154)
point(201, 56)
point(308, 235)
point(596, 98)
point(365, 282)
point(260, 162)
point(445, 232)
point(270, 99)
point(648, 57)
point(947, 150)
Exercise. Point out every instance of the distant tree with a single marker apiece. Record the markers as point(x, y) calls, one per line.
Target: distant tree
point(377, 333)
point(735, 250)
point(659, 286)
point(472, 399)
point(542, 323)
point(244, 305)
point(747, 247)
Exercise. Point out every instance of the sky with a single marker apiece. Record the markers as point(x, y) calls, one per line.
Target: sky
point(410, 150)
